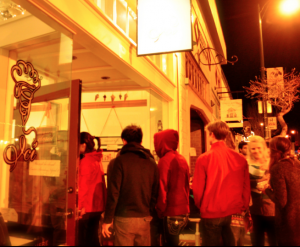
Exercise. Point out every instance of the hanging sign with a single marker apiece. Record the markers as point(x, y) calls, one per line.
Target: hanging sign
point(272, 123)
point(163, 26)
point(232, 111)
point(275, 81)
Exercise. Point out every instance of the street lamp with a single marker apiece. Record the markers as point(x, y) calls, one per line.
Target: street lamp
point(287, 7)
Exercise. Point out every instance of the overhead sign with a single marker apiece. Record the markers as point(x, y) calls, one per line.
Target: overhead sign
point(272, 123)
point(232, 110)
point(275, 81)
point(163, 26)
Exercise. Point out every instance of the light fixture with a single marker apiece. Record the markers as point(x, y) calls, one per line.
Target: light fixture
point(293, 131)
point(9, 9)
point(289, 7)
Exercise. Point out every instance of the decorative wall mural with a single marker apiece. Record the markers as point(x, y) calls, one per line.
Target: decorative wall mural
point(24, 92)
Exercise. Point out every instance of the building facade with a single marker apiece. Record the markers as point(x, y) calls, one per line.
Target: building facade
point(71, 63)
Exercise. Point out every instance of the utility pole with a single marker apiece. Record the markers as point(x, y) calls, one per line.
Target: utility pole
point(267, 133)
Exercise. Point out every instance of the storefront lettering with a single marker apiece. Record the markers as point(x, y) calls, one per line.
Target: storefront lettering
point(24, 93)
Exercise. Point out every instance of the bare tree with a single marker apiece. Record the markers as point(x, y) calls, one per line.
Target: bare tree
point(278, 94)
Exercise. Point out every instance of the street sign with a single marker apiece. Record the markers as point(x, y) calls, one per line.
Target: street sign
point(272, 123)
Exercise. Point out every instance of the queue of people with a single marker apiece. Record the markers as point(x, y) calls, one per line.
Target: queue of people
point(144, 200)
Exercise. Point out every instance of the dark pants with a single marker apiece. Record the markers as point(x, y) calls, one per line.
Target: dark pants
point(132, 231)
point(217, 232)
point(262, 224)
point(88, 229)
point(167, 238)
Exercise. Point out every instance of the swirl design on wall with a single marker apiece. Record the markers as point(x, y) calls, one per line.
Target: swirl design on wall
point(24, 93)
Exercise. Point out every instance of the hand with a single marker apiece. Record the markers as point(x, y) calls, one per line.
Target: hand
point(82, 212)
point(105, 230)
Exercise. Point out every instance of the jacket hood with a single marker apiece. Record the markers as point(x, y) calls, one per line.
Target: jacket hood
point(94, 155)
point(165, 142)
point(138, 149)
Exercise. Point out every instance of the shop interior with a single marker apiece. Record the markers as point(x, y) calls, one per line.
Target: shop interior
point(33, 196)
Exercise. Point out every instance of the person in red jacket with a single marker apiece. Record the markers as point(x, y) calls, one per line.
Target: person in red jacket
point(92, 190)
point(221, 187)
point(173, 199)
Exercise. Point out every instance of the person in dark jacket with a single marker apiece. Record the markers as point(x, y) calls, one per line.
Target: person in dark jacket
point(132, 192)
point(285, 192)
point(173, 199)
point(92, 190)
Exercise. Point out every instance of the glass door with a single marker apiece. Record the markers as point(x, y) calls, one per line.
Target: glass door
point(43, 159)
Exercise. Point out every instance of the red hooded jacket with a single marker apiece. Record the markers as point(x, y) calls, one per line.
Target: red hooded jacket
point(173, 198)
point(221, 183)
point(92, 188)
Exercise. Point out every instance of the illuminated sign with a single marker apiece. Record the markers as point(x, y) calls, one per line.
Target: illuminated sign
point(24, 92)
point(231, 111)
point(163, 26)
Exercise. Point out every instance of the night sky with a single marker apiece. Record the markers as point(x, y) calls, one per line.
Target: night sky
point(239, 20)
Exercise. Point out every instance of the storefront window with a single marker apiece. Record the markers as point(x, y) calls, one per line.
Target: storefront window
point(33, 190)
point(106, 114)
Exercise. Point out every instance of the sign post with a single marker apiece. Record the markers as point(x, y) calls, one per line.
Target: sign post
point(272, 123)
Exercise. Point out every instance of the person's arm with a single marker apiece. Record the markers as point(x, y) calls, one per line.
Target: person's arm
point(155, 191)
point(84, 182)
point(113, 191)
point(247, 188)
point(199, 182)
point(279, 187)
point(163, 188)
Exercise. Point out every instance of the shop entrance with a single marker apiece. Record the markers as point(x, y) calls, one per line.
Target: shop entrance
point(197, 138)
point(39, 128)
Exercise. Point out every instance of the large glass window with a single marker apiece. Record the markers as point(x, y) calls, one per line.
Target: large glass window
point(106, 114)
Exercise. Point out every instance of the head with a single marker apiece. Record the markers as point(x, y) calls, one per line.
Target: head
point(132, 133)
point(243, 148)
point(257, 149)
point(280, 148)
point(218, 131)
point(166, 141)
point(230, 141)
point(87, 144)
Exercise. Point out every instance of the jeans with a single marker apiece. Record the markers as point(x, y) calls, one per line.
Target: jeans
point(262, 224)
point(88, 229)
point(217, 232)
point(132, 231)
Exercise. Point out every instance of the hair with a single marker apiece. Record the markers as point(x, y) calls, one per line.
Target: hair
point(230, 141)
point(88, 139)
point(257, 139)
point(132, 133)
point(280, 148)
point(242, 144)
point(219, 128)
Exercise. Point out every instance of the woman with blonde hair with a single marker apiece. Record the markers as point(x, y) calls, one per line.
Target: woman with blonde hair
point(263, 209)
